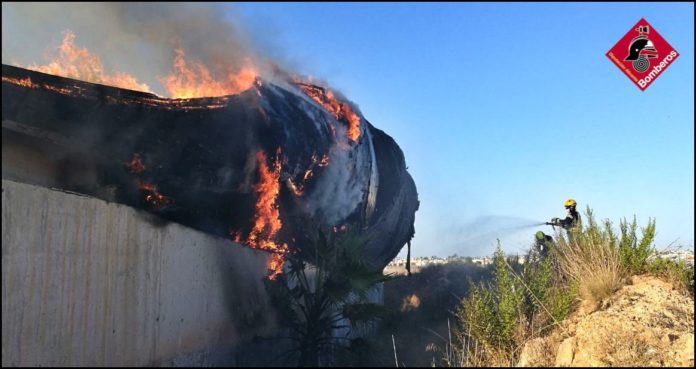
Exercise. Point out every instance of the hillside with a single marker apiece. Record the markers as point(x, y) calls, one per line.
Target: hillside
point(645, 323)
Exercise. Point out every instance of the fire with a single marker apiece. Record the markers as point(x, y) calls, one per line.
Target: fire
point(411, 302)
point(307, 175)
point(136, 164)
point(190, 79)
point(267, 221)
point(70, 90)
point(340, 110)
point(25, 82)
point(298, 190)
point(75, 62)
point(152, 196)
point(324, 161)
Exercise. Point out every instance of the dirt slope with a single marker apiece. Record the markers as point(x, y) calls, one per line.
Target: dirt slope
point(645, 323)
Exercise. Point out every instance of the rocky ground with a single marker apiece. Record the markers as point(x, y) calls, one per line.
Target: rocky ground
point(645, 323)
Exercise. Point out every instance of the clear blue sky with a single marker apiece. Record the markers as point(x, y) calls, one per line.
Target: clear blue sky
point(507, 109)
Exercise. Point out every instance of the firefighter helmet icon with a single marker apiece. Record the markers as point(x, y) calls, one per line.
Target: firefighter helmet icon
point(641, 49)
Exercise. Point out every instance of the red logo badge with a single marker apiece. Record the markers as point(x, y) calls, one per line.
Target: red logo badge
point(642, 54)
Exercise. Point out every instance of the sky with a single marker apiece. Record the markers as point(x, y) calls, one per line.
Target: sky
point(502, 110)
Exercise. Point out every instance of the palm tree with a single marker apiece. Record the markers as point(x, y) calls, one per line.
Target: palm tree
point(318, 299)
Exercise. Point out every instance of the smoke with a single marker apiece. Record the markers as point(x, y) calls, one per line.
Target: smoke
point(142, 39)
point(337, 193)
point(139, 39)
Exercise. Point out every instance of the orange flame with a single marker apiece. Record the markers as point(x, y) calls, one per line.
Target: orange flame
point(411, 302)
point(298, 190)
point(75, 62)
point(152, 196)
point(307, 175)
point(340, 110)
point(136, 164)
point(25, 82)
point(193, 79)
point(267, 221)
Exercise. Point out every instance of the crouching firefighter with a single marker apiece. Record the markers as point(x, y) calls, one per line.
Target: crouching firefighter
point(572, 219)
point(543, 243)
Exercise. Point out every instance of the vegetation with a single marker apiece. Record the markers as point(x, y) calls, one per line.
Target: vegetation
point(457, 314)
point(327, 297)
point(677, 273)
point(421, 304)
point(495, 320)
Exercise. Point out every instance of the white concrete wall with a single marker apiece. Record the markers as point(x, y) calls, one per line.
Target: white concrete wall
point(86, 282)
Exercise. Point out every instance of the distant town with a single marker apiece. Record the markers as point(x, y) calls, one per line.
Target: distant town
point(398, 265)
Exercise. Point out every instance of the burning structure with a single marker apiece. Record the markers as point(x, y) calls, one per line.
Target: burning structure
point(137, 229)
point(265, 166)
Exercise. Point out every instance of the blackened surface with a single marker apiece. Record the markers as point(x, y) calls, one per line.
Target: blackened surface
point(201, 153)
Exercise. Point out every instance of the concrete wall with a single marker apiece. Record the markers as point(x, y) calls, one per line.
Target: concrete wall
point(86, 282)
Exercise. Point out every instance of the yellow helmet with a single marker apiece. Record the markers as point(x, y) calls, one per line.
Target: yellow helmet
point(570, 202)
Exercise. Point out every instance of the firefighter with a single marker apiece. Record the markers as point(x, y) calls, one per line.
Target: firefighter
point(572, 218)
point(543, 243)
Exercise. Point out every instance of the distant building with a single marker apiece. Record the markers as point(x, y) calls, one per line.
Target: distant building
point(687, 256)
point(424, 261)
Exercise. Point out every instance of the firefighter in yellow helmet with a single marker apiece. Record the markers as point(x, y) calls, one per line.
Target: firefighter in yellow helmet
point(572, 218)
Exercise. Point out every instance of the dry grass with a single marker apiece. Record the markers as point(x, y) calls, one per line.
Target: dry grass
point(472, 353)
point(625, 348)
point(592, 262)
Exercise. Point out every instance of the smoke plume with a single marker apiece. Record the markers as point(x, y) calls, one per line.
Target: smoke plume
point(139, 39)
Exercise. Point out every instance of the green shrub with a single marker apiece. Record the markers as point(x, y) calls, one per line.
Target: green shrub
point(490, 316)
point(538, 278)
point(635, 252)
point(591, 262)
point(674, 271)
point(560, 299)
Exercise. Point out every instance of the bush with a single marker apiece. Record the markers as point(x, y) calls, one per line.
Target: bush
point(589, 258)
point(489, 318)
point(560, 300)
point(538, 278)
point(676, 272)
point(598, 259)
point(591, 262)
point(634, 252)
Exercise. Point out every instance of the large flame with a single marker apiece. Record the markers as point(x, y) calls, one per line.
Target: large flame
point(190, 79)
point(75, 62)
point(339, 109)
point(187, 79)
point(267, 221)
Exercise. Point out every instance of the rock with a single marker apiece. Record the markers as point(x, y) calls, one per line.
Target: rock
point(647, 324)
point(687, 354)
point(566, 351)
point(531, 352)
